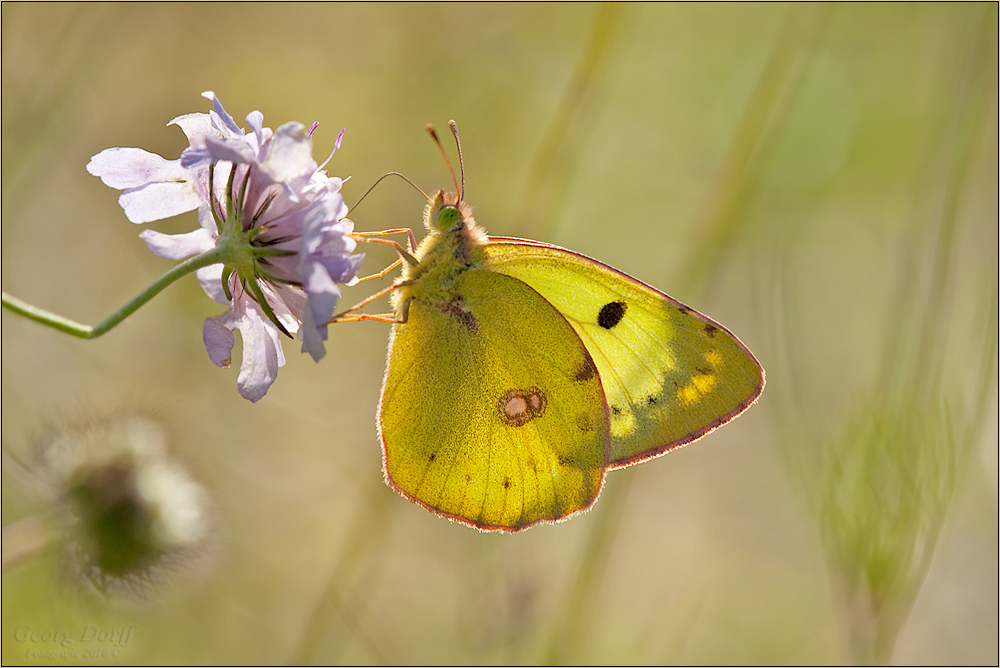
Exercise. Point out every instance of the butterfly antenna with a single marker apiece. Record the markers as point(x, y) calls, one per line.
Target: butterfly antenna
point(461, 164)
point(367, 192)
point(433, 133)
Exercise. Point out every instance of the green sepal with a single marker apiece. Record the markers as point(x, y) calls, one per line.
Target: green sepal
point(258, 296)
point(227, 271)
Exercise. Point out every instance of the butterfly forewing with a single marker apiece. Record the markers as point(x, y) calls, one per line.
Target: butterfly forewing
point(492, 410)
point(670, 374)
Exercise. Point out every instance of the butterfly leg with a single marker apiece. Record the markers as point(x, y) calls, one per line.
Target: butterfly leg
point(358, 317)
point(366, 236)
point(383, 272)
point(350, 316)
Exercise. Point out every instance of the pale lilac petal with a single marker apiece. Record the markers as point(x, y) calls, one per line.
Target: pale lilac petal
point(286, 302)
point(123, 168)
point(290, 154)
point(338, 268)
point(328, 243)
point(255, 120)
point(196, 156)
point(259, 190)
point(323, 297)
point(354, 281)
point(324, 261)
point(207, 220)
point(324, 244)
point(178, 246)
point(159, 200)
point(230, 150)
point(316, 281)
point(210, 278)
point(320, 184)
point(355, 261)
point(261, 354)
point(194, 125)
point(258, 140)
point(285, 268)
point(227, 120)
point(322, 224)
point(219, 339)
point(220, 181)
point(313, 336)
point(284, 227)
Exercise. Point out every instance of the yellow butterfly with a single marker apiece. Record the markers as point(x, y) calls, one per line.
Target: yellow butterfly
point(519, 372)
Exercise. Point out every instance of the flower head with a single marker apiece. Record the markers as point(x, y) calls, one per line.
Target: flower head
point(276, 217)
point(132, 515)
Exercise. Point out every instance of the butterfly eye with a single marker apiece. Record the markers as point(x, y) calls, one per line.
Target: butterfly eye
point(448, 218)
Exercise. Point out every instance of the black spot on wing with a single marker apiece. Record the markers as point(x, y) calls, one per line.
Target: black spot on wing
point(710, 330)
point(611, 314)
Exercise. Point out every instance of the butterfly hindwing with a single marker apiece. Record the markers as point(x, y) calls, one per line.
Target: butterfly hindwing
point(492, 411)
point(670, 374)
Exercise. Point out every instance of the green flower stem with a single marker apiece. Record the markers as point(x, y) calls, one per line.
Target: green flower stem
point(214, 256)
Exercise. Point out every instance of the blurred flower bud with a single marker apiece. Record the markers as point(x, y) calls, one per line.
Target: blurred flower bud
point(133, 514)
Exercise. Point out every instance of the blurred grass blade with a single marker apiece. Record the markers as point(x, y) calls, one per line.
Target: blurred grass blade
point(760, 123)
point(366, 537)
point(569, 131)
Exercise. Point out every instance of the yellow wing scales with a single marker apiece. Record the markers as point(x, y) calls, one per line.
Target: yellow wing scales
point(491, 405)
point(670, 374)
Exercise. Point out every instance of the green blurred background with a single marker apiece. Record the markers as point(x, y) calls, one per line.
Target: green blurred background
point(821, 180)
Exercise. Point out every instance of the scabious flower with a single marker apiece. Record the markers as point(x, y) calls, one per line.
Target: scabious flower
point(277, 217)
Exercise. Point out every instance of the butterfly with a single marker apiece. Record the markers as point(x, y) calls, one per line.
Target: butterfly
point(519, 373)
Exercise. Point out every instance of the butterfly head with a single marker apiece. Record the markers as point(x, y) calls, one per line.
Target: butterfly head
point(447, 213)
